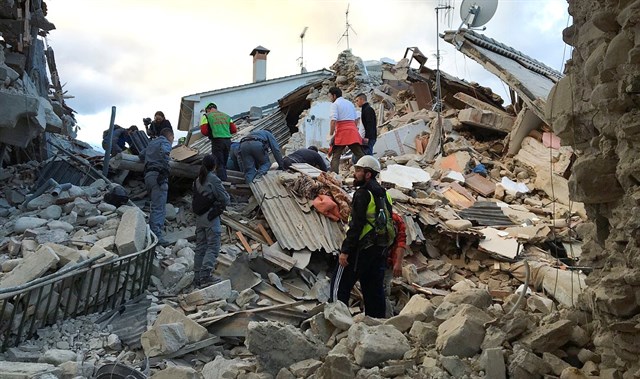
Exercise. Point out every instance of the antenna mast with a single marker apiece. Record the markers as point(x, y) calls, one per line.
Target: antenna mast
point(437, 106)
point(301, 59)
point(347, 27)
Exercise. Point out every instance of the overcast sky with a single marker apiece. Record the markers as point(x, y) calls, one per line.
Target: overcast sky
point(142, 56)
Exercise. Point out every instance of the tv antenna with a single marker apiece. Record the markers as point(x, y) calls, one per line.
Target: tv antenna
point(437, 105)
point(476, 13)
point(301, 59)
point(347, 27)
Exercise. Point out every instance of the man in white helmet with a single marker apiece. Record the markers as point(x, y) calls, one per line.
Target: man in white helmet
point(363, 255)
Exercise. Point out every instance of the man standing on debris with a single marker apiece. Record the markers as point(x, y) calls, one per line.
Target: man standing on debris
point(343, 128)
point(158, 124)
point(209, 189)
point(254, 151)
point(361, 257)
point(220, 125)
point(368, 117)
point(156, 178)
point(309, 155)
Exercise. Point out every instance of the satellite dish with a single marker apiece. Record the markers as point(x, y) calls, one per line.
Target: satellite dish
point(475, 13)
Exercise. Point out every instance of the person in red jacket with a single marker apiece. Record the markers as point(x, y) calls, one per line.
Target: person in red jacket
point(394, 261)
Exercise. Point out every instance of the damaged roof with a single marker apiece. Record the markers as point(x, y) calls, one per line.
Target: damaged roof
point(294, 222)
point(532, 80)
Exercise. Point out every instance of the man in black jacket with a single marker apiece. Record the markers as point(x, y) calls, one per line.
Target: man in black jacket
point(359, 258)
point(309, 155)
point(368, 116)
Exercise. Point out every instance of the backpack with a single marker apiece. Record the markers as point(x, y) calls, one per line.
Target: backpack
point(201, 204)
point(383, 231)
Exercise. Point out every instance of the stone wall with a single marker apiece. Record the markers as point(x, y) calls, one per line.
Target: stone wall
point(595, 109)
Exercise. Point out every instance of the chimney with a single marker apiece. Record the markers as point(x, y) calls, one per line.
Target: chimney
point(259, 63)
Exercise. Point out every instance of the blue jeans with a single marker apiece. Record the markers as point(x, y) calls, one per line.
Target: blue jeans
point(255, 160)
point(369, 148)
point(158, 194)
point(207, 249)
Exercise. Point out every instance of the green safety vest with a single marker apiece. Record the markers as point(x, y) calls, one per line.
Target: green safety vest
point(371, 215)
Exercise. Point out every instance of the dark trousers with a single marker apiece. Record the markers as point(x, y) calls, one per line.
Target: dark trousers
point(368, 266)
point(355, 148)
point(220, 150)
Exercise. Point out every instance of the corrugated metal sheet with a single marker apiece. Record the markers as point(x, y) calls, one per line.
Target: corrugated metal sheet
point(139, 140)
point(485, 213)
point(296, 226)
point(63, 171)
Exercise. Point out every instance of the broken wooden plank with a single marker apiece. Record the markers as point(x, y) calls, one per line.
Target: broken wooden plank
point(210, 320)
point(479, 104)
point(237, 226)
point(182, 152)
point(264, 233)
point(187, 349)
point(244, 242)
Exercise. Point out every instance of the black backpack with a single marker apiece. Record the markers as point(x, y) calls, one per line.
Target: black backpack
point(383, 232)
point(201, 204)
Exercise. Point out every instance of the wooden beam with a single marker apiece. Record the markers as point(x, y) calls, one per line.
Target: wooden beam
point(244, 242)
point(264, 233)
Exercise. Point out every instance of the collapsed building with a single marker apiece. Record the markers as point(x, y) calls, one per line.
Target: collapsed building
point(520, 264)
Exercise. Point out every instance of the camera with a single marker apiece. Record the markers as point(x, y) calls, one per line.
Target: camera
point(146, 121)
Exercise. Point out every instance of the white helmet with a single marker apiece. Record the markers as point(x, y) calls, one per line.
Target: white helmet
point(369, 162)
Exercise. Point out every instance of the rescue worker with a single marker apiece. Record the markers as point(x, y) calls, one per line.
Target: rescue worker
point(219, 135)
point(156, 179)
point(119, 139)
point(394, 262)
point(343, 129)
point(208, 228)
point(309, 156)
point(254, 151)
point(234, 162)
point(360, 258)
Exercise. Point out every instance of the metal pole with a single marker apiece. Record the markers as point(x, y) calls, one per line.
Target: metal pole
point(107, 152)
point(438, 104)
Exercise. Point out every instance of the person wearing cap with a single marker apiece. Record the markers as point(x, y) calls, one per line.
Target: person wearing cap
point(119, 139)
point(343, 128)
point(360, 259)
point(158, 124)
point(208, 227)
point(254, 151)
point(309, 155)
point(220, 136)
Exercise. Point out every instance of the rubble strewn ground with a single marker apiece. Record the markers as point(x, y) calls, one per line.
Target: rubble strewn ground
point(495, 283)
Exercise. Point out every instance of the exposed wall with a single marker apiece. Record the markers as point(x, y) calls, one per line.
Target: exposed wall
point(595, 108)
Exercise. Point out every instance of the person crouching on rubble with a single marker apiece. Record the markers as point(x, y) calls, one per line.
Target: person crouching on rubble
point(394, 262)
point(156, 178)
point(209, 201)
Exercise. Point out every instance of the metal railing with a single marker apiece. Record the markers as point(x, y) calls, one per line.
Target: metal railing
point(82, 289)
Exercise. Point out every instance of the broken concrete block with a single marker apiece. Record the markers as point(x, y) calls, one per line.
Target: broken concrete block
point(492, 360)
point(557, 365)
point(107, 243)
point(131, 233)
point(215, 292)
point(16, 354)
point(372, 345)
point(480, 298)
point(32, 267)
point(10, 264)
point(321, 327)
point(462, 334)
point(67, 254)
point(72, 370)
point(97, 250)
point(172, 274)
point(525, 364)
point(57, 356)
point(419, 307)
point(52, 212)
point(424, 333)
point(58, 224)
point(400, 322)
point(225, 368)
point(176, 372)
point(163, 339)
point(305, 368)
point(338, 314)
point(18, 370)
point(24, 223)
point(458, 225)
point(540, 304)
point(547, 338)
point(96, 220)
point(337, 367)
point(194, 331)
point(106, 207)
point(486, 119)
point(456, 367)
point(277, 345)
